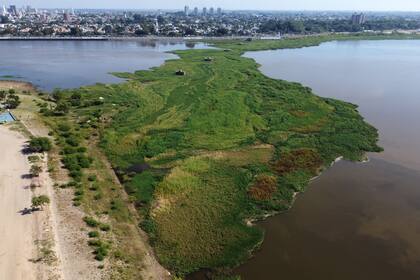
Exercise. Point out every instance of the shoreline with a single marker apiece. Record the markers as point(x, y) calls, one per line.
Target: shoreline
point(260, 37)
point(295, 193)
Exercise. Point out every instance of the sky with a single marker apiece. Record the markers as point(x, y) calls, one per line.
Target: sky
point(357, 5)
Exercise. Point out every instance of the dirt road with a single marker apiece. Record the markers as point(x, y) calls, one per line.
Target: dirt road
point(17, 245)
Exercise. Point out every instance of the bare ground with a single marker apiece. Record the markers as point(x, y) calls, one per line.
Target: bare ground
point(60, 234)
point(17, 231)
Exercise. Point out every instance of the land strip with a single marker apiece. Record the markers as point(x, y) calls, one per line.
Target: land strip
point(203, 144)
point(134, 257)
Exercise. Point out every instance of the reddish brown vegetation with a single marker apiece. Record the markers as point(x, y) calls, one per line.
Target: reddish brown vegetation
point(299, 113)
point(264, 187)
point(306, 159)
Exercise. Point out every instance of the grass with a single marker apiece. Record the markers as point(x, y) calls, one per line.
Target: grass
point(218, 146)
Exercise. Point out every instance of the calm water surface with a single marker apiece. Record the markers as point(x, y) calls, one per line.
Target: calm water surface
point(69, 64)
point(356, 221)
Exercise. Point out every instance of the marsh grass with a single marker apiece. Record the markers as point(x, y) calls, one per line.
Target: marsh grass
point(225, 144)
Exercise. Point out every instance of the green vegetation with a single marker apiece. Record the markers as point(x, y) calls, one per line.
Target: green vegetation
point(35, 170)
point(9, 99)
point(202, 153)
point(40, 144)
point(40, 201)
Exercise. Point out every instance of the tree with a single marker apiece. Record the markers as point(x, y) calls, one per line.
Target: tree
point(40, 144)
point(61, 109)
point(3, 94)
point(35, 170)
point(12, 101)
point(40, 201)
point(57, 95)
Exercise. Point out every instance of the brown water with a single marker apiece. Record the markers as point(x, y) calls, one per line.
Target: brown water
point(356, 221)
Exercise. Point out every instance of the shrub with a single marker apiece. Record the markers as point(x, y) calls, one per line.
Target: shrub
point(12, 100)
point(61, 109)
point(35, 170)
point(93, 234)
point(40, 144)
point(91, 222)
point(64, 127)
point(92, 178)
point(94, 187)
point(101, 249)
point(40, 201)
point(78, 193)
point(33, 159)
point(105, 227)
point(72, 141)
point(94, 243)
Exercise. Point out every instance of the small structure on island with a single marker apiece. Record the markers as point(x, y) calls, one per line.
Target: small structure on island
point(180, 72)
point(208, 59)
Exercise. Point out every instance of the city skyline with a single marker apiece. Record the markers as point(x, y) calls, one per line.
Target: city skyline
point(355, 5)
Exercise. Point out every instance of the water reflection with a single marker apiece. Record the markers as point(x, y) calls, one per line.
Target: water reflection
point(69, 64)
point(356, 221)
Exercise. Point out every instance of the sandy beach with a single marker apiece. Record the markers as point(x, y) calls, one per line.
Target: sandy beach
point(17, 231)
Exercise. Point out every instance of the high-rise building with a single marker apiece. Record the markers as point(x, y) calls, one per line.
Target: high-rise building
point(204, 11)
point(186, 10)
point(211, 11)
point(219, 11)
point(358, 18)
point(66, 17)
point(4, 11)
point(196, 11)
point(12, 10)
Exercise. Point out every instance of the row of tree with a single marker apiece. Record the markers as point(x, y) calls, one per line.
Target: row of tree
point(9, 99)
point(319, 26)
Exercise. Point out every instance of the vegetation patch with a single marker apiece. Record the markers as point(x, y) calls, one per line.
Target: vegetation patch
point(301, 159)
point(263, 188)
point(199, 154)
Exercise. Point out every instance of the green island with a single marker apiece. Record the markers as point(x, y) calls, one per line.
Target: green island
point(204, 145)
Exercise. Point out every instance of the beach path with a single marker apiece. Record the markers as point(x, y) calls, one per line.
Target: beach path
point(17, 245)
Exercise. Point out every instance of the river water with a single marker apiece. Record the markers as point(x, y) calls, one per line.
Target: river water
point(357, 220)
point(70, 64)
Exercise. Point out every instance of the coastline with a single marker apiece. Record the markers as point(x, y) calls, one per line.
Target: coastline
point(296, 193)
point(262, 37)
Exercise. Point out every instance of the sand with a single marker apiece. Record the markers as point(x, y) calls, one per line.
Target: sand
point(17, 246)
point(19, 86)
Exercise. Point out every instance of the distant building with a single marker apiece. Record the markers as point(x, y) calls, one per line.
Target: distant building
point(219, 11)
point(12, 10)
point(204, 11)
point(196, 11)
point(211, 11)
point(358, 19)
point(66, 17)
point(186, 10)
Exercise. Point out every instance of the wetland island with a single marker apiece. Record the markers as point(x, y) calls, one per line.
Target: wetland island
point(167, 171)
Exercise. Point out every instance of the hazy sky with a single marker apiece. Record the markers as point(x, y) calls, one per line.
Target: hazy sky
point(381, 5)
